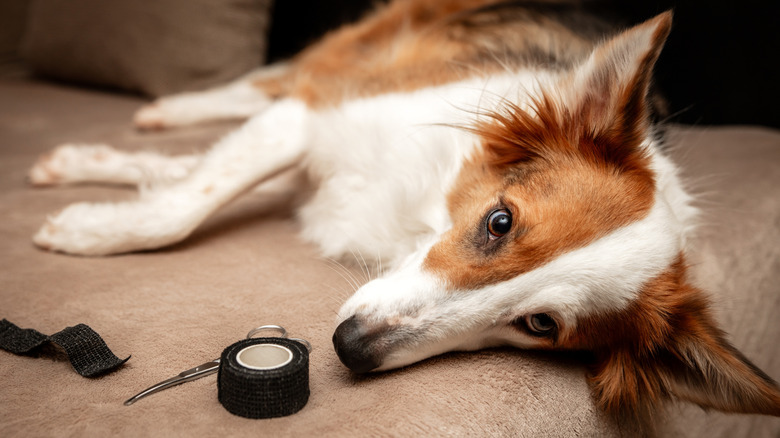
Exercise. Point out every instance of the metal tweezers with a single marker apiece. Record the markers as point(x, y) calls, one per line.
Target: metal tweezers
point(205, 369)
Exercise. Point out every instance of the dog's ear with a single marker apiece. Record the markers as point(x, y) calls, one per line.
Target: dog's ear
point(609, 91)
point(692, 361)
point(600, 107)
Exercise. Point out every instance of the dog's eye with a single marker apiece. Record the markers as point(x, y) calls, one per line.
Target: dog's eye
point(540, 324)
point(499, 223)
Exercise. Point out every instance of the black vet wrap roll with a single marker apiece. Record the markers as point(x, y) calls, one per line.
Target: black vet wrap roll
point(274, 383)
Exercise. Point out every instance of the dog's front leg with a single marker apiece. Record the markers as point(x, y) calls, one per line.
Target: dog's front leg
point(243, 98)
point(74, 163)
point(265, 146)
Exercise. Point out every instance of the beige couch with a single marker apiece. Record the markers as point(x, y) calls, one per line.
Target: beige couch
point(175, 308)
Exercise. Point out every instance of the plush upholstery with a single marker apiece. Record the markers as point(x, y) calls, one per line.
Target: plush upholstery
point(153, 47)
point(176, 308)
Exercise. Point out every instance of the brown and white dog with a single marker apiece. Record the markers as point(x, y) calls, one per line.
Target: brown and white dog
point(500, 160)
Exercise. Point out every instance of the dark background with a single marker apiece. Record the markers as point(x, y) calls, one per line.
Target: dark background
point(720, 64)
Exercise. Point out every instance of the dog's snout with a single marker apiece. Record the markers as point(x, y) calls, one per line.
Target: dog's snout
point(355, 347)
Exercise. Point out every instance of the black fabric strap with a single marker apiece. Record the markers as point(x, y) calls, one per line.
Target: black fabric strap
point(88, 353)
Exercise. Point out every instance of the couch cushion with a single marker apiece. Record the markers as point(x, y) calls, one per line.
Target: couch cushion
point(12, 20)
point(157, 47)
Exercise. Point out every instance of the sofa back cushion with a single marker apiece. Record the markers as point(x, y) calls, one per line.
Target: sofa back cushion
point(154, 47)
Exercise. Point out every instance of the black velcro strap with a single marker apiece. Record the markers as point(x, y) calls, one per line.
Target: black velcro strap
point(88, 353)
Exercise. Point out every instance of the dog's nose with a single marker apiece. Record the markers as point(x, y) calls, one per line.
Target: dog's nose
point(354, 347)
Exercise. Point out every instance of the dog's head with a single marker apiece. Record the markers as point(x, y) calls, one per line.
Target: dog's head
point(567, 233)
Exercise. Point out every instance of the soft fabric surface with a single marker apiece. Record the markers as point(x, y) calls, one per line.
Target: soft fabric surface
point(154, 47)
point(179, 307)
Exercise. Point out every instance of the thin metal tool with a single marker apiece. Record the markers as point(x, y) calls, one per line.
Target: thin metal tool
point(207, 368)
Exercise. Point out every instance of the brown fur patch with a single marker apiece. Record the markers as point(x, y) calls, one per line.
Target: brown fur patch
point(558, 204)
point(667, 344)
point(563, 188)
point(412, 44)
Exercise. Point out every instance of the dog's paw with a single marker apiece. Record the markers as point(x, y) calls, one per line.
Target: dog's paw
point(97, 229)
point(63, 164)
point(82, 229)
point(173, 111)
point(152, 117)
point(45, 171)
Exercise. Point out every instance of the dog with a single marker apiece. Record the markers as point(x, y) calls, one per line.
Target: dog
point(502, 160)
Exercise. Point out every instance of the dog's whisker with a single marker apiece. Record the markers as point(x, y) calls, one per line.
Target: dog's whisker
point(369, 275)
point(355, 279)
point(337, 296)
point(344, 273)
point(347, 279)
point(362, 265)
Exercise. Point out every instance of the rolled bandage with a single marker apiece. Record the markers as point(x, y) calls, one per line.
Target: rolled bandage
point(264, 377)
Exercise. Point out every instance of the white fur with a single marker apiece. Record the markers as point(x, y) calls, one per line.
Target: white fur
point(383, 166)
